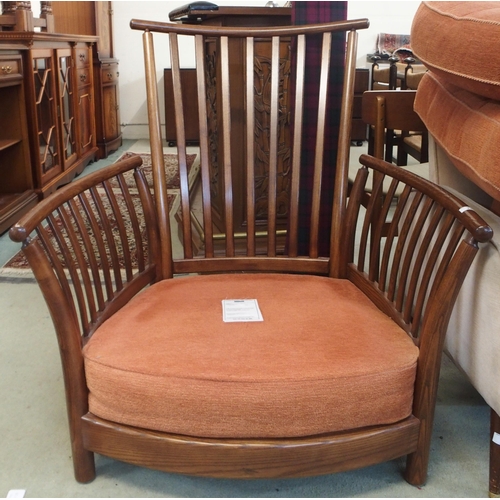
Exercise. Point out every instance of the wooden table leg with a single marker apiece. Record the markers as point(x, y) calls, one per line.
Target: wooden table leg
point(494, 455)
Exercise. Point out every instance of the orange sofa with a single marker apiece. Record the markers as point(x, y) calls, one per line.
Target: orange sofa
point(459, 101)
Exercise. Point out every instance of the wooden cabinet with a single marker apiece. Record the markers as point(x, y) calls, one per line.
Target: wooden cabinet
point(17, 194)
point(96, 19)
point(53, 85)
point(59, 96)
point(85, 100)
point(190, 104)
point(47, 129)
point(107, 106)
point(106, 81)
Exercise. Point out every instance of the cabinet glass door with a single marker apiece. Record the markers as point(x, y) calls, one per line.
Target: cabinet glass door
point(46, 113)
point(66, 106)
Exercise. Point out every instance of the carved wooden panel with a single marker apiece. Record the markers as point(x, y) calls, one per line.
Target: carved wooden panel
point(262, 85)
point(262, 82)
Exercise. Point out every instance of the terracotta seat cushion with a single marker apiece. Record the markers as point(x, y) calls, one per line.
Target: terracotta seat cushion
point(457, 41)
point(466, 126)
point(324, 359)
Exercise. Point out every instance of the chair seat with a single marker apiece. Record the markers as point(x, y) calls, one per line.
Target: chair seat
point(304, 370)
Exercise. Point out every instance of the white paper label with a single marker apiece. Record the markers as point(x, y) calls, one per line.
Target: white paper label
point(16, 494)
point(241, 310)
point(496, 438)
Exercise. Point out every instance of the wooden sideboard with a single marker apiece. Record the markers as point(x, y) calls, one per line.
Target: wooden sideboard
point(17, 189)
point(58, 98)
point(47, 130)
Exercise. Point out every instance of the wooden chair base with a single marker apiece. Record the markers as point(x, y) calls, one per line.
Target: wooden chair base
point(251, 459)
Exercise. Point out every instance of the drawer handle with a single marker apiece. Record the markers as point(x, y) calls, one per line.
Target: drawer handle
point(82, 57)
point(7, 69)
point(83, 77)
point(110, 76)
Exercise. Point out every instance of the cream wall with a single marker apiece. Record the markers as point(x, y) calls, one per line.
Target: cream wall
point(385, 17)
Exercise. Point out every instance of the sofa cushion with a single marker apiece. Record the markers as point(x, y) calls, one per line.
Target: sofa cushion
point(324, 359)
point(466, 126)
point(459, 40)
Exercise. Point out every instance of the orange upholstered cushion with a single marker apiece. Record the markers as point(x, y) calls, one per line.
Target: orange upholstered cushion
point(324, 359)
point(459, 41)
point(466, 125)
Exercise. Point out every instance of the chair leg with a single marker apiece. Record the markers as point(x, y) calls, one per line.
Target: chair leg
point(83, 459)
point(389, 144)
point(417, 464)
point(402, 157)
point(84, 465)
point(494, 488)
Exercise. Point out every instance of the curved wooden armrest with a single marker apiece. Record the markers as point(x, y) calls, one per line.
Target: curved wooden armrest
point(97, 236)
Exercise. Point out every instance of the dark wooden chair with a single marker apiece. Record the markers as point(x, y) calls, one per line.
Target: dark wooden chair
point(413, 142)
point(385, 77)
point(413, 73)
point(343, 370)
point(385, 110)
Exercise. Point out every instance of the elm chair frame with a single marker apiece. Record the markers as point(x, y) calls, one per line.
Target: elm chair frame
point(94, 250)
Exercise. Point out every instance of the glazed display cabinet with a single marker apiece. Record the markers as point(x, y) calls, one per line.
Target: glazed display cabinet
point(17, 193)
point(59, 103)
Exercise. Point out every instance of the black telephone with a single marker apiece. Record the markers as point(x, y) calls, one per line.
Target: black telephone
point(185, 11)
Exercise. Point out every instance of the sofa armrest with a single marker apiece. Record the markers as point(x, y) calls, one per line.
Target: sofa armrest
point(473, 336)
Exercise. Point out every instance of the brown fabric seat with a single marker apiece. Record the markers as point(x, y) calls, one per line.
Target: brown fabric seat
point(182, 370)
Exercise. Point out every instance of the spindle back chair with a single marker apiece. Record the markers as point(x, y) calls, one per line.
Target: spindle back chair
point(393, 109)
point(340, 369)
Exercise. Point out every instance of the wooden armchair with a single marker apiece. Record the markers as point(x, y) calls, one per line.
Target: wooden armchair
point(340, 368)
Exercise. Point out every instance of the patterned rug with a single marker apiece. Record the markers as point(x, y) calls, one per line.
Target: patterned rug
point(171, 168)
point(18, 265)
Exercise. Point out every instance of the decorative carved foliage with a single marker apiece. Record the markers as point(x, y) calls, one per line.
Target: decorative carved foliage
point(262, 76)
point(213, 138)
point(262, 107)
